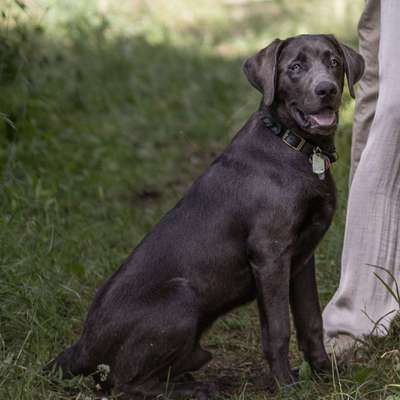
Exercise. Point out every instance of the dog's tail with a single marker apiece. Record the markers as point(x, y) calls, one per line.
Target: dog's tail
point(68, 362)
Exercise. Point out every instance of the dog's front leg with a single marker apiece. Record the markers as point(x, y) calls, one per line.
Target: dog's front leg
point(307, 316)
point(271, 269)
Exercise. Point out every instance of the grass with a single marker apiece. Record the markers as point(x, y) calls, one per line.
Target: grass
point(108, 112)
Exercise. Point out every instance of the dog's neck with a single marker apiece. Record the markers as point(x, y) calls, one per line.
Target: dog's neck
point(279, 113)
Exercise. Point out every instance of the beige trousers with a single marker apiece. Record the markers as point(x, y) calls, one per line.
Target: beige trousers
point(372, 235)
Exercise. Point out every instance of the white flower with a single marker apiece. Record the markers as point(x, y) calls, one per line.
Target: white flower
point(104, 371)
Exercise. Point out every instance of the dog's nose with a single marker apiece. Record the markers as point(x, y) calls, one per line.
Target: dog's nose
point(326, 88)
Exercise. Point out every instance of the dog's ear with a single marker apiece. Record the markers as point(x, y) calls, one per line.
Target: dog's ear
point(354, 64)
point(354, 67)
point(261, 70)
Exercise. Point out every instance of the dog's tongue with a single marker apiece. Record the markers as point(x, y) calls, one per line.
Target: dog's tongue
point(323, 118)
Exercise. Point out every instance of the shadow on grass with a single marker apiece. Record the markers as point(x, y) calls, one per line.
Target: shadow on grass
point(90, 105)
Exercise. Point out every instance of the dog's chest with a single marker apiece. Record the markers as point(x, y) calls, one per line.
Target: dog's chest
point(318, 206)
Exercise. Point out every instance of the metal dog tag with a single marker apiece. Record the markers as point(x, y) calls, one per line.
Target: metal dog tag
point(318, 165)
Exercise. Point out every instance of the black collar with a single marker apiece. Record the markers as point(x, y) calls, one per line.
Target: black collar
point(295, 141)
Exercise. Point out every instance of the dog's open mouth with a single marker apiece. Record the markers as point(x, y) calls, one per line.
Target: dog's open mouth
point(322, 119)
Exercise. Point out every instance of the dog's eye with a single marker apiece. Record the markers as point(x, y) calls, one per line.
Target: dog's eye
point(334, 62)
point(296, 67)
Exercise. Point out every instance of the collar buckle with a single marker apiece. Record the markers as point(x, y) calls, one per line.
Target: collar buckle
point(294, 141)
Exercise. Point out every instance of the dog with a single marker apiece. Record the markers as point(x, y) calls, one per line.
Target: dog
point(246, 230)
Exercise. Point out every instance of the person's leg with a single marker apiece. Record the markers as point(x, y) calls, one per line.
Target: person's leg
point(367, 92)
point(372, 234)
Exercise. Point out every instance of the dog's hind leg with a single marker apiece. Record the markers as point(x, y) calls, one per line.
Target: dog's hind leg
point(191, 361)
point(168, 375)
point(163, 340)
point(164, 381)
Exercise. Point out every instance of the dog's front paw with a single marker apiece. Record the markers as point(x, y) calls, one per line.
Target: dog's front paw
point(272, 383)
point(321, 366)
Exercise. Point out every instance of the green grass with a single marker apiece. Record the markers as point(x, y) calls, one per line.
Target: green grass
point(108, 112)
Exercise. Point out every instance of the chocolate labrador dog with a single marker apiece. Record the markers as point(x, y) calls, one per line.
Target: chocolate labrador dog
point(246, 229)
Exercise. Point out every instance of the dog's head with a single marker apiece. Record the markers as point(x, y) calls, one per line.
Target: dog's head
point(302, 77)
